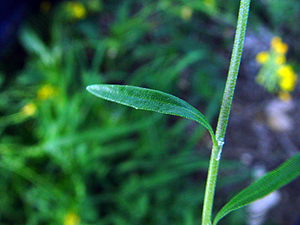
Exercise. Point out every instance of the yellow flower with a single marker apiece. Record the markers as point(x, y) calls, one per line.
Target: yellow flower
point(262, 57)
point(45, 92)
point(284, 79)
point(278, 45)
point(71, 218)
point(285, 96)
point(76, 10)
point(285, 70)
point(288, 78)
point(280, 59)
point(29, 109)
point(287, 84)
point(186, 13)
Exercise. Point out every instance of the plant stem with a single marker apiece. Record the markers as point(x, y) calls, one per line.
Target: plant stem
point(225, 110)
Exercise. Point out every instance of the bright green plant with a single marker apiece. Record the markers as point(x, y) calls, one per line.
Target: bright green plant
point(152, 100)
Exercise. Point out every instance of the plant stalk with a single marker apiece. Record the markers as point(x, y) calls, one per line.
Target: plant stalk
point(225, 110)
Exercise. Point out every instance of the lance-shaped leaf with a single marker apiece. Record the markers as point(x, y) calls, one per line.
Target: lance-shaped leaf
point(152, 100)
point(270, 182)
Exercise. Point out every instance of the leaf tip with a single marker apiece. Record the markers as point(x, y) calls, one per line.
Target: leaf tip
point(91, 88)
point(88, 88)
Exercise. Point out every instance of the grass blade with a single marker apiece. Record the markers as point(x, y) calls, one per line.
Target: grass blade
point(272, 181)
point(151, 100)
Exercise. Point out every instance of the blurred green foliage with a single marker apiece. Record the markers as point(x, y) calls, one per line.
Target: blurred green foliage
point(70, 158)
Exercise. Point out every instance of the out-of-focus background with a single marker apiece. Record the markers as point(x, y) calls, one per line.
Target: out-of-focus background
point(67, 157)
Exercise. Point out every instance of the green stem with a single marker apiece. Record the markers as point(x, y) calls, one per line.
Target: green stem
point(225, 110)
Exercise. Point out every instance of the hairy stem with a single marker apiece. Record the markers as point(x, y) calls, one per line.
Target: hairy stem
point(225, 110)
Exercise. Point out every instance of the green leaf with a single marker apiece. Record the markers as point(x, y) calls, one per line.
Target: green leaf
point(152, 100)
point(272, 181)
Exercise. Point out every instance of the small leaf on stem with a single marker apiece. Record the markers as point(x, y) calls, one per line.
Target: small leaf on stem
point(151, 100)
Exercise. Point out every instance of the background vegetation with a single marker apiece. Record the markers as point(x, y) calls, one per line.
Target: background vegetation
point(69, 158)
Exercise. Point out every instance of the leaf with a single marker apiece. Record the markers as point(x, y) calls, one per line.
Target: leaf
point(32, 42)
point(272, 181)
point(152, 100)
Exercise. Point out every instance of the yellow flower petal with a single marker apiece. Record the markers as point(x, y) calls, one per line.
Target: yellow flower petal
point(285, 96)
point(262, 57)
point(45, 92)
point(287, 83)
point(278, 45)
point(76, 10)
point(280, 59)
point(29, 109)
point(71, 218)
point(285, 70)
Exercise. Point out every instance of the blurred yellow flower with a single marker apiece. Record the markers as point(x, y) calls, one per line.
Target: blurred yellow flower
point(280, 59)
point(71, 218)
point(285, 96)
point(46, 91)
point(285, 70)
point(288, 78)
point(276, 76)
point(262, 57)
point(29, 109)
point(76, 10)
point(186, 13)
point(278, 45)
